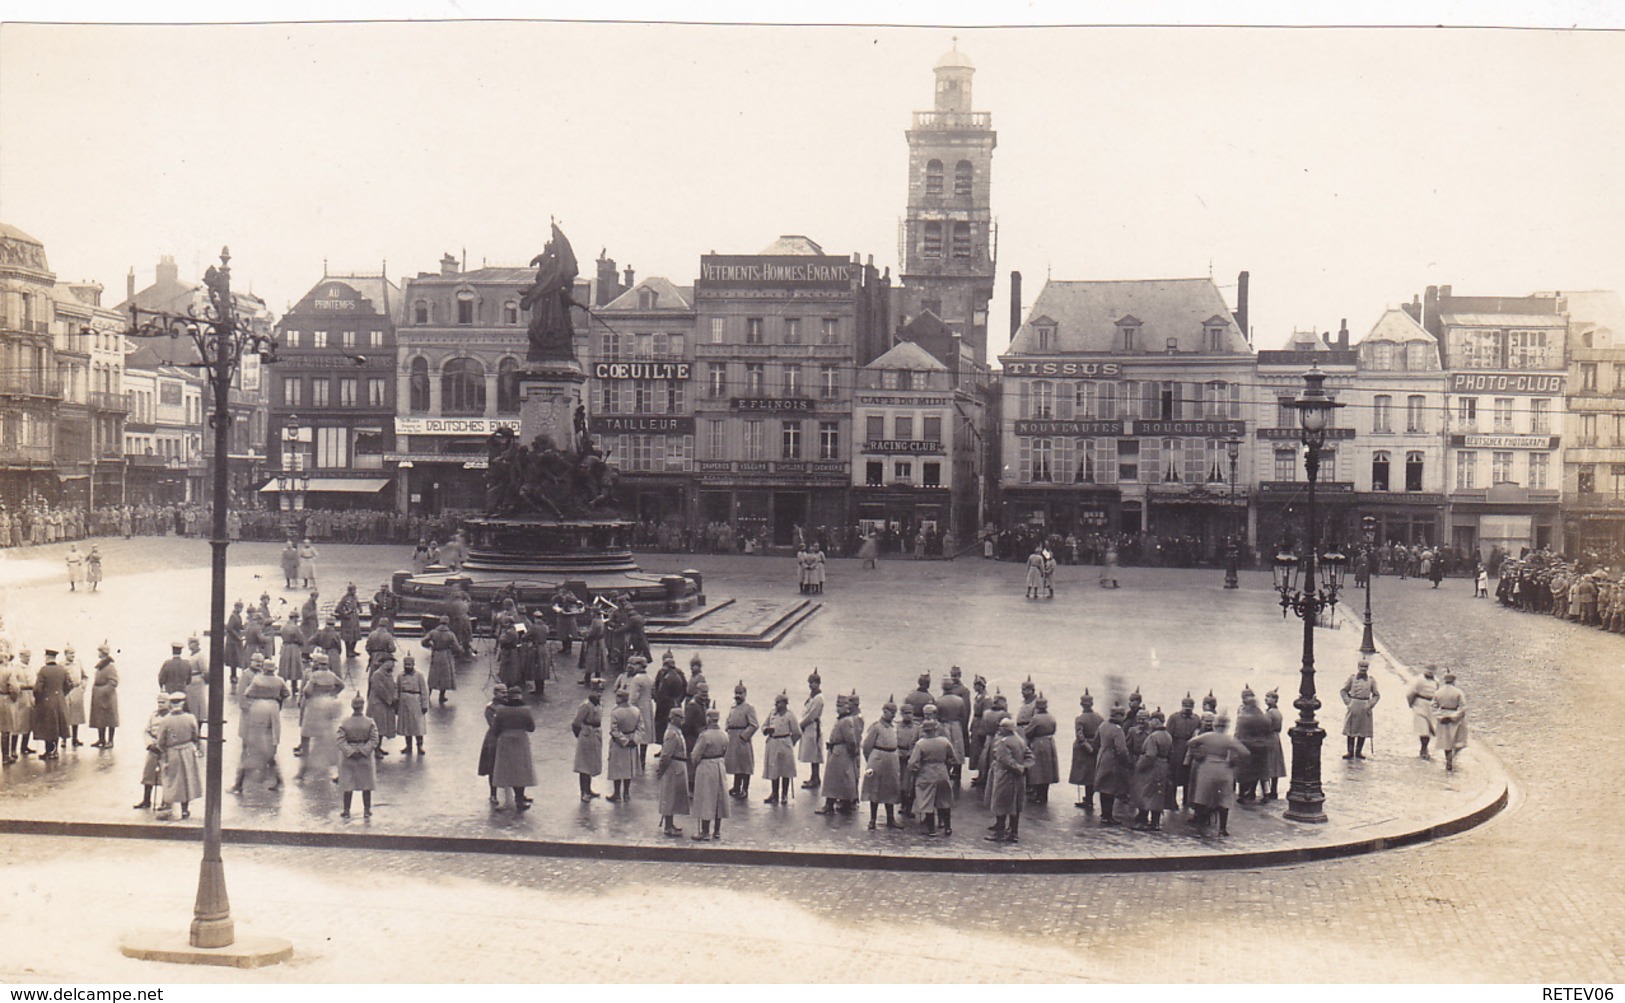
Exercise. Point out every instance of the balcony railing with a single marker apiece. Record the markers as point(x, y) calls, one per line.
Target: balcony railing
point(952, 119)
point(101, 400)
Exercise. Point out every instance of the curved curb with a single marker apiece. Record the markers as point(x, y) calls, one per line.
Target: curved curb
point(774, 858)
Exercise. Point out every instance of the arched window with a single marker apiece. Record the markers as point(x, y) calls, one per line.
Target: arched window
point(419, 386)
point(1379, 470)
point(420, 312)
point(964, 175)
point(510, 312)
point(465, 307)
point(933, 240)
point(961, 240)
point(933, 177)
point(462, 387)
point(1413, 471)
point(508, 387)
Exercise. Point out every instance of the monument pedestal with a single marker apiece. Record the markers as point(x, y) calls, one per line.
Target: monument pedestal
point(549, 394)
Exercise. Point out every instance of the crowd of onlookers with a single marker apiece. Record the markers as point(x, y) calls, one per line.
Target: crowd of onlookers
point(1582, 589)
point(41, 523)
point(1143, 549)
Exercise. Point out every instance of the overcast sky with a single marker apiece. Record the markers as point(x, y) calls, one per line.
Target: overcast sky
point(1346, 169)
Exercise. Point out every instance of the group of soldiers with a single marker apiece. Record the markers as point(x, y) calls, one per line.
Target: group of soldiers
point(1541, 582)
point(53, 702)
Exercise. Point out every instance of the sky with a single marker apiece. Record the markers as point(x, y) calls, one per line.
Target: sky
point(1345, 169)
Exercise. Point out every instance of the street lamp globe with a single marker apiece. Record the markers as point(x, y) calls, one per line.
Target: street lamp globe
point(1333, 567)
point(1286, 572)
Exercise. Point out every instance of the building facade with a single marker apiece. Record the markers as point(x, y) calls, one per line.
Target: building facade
point(1117, 401)
point(916, 462)
point(1505, 362)
point(775, 354)
point(1593, 482)
point(168, 463)
point(947, 242)
point(1397, 456)
point(640, 392)
point(332, 397)
point(1280, 505)
point(30, 385)
point(90, 424)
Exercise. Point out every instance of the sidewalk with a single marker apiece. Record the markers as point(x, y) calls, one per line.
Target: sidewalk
point(879, 629)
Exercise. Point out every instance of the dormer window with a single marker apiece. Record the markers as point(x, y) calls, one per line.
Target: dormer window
point(1215, 337)
point(1046, 338)
point(1128, 334)
point(647, 298)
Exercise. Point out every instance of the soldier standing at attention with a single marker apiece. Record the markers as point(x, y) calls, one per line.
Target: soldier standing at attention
point(781, 732)
point(1045, 769)
point(587, 728)
point(625, 721)
point(811, 746)
point(741, 756)
point(708, 805)
point(1082, 775)
point(1006, 790)
point(358, 766)
point(1111, 765)
point(929, 762)
point(842, 748)
point(1360, 696)
point(882, 775)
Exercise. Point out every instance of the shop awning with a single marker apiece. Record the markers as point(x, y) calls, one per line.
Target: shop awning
point(351, 485)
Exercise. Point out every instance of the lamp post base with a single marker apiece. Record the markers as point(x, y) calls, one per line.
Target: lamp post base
point(1368, 644)
point(1305, 799)
point(212, 926)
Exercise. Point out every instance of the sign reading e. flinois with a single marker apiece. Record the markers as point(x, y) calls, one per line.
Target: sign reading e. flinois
point(775, 270)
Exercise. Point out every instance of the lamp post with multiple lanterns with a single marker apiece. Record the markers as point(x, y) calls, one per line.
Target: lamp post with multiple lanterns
point(1305, 798)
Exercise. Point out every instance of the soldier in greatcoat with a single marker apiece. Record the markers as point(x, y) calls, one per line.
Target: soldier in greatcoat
point(380, 644)
point(978, 738)
point(811, 747)
point(708, 804)
point(640, 690)
point(174, 673)
point(263, 695)
point(933, 789)
point(1253, 731)
point(1111, 765)
point(320, 719)
point(1182, 727)
point(348, 612)
point(954, 711)
point(51, 686)
point(444, 650)
point(291, 661)
point(742, 725)
point(152, 770)
point(1148, 787)
point(1213, 756)
point(103, 699)
point(780, 733)
point(1419, 696)
point(1011, 759)
point(357, 739)
point(625, 721)
point(1450, 711)
point(840, 786)
point(512, 765)
point(917, 700)
point(1275, 756)
point(883, 773)
point(1046, 767)
point(908, 733)
point(1360, 696)
point(178, 748)
point(235, 655)
point(1082, 774)
point(290, 564)
point(594, 658)
point(671, 772)
point(670, 689)
point(382, 698)
point(411, 704)
point(329, 642)
point(588, 731)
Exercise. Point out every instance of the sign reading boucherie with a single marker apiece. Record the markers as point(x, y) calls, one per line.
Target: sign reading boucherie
point(453, 426)
point(1508, 383)
point(772, 404)
point(775, 270)
point(641, 370)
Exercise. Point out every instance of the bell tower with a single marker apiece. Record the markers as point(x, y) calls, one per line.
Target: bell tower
point(948, 237)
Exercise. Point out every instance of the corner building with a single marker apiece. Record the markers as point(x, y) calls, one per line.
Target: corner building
point(1117, 399)
point(777, 342)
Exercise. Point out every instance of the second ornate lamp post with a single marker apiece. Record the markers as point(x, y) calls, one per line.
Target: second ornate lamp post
point(1305, 799)
point(1232, 449)
point(1368, 529)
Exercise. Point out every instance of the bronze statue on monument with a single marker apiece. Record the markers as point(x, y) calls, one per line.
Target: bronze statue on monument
point(549, 299)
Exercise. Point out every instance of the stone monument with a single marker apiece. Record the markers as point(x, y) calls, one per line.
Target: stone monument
point(551, 512)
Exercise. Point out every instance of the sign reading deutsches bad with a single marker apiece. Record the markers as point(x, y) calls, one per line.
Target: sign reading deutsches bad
point(641, 370)
point(1508, 383)
point(754, 270)
point(453, 426)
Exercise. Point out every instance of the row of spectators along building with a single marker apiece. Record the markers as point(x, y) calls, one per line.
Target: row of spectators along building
point(791, 388)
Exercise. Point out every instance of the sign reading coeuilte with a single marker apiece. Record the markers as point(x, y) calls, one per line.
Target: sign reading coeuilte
point(641, 370)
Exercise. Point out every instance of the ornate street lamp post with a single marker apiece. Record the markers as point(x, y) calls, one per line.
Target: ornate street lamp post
point(222, 341)
point(1305, 798)
point(1232, 449)
point(1368, 529)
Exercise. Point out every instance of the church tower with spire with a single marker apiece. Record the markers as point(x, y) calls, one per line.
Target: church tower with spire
point(948, 239)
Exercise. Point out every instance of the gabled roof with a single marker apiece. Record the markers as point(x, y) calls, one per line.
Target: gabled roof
point(1087, 314)
point(1398, 326)
point(10, 232)
point(667, 296)
point(907, 355)
point(1501, 320)
point(793, 243)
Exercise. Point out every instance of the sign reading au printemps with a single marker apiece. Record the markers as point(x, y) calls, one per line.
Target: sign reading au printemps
point(902, 446)
point(1508, 383)
point(619, 423)
point(453, 426)
point(1059, 367)
point(641, 370)
point(803, 404)
point(775, 270)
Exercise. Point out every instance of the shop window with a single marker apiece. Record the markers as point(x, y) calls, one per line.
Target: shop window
point(931, 474)
point(874, 473)
point(1586, 478)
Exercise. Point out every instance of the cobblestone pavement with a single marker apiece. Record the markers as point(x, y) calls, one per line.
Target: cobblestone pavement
point(1534, 895)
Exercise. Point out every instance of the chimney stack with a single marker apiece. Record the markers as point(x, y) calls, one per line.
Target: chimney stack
point(168, 274)
point(1430, 311)
point(630, 279)
point(606, 280)
point(1241, 306)
point(129, 286)
point(1413, 308)
point(1343, 335)
point(448, 264)
point(1015, 303)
